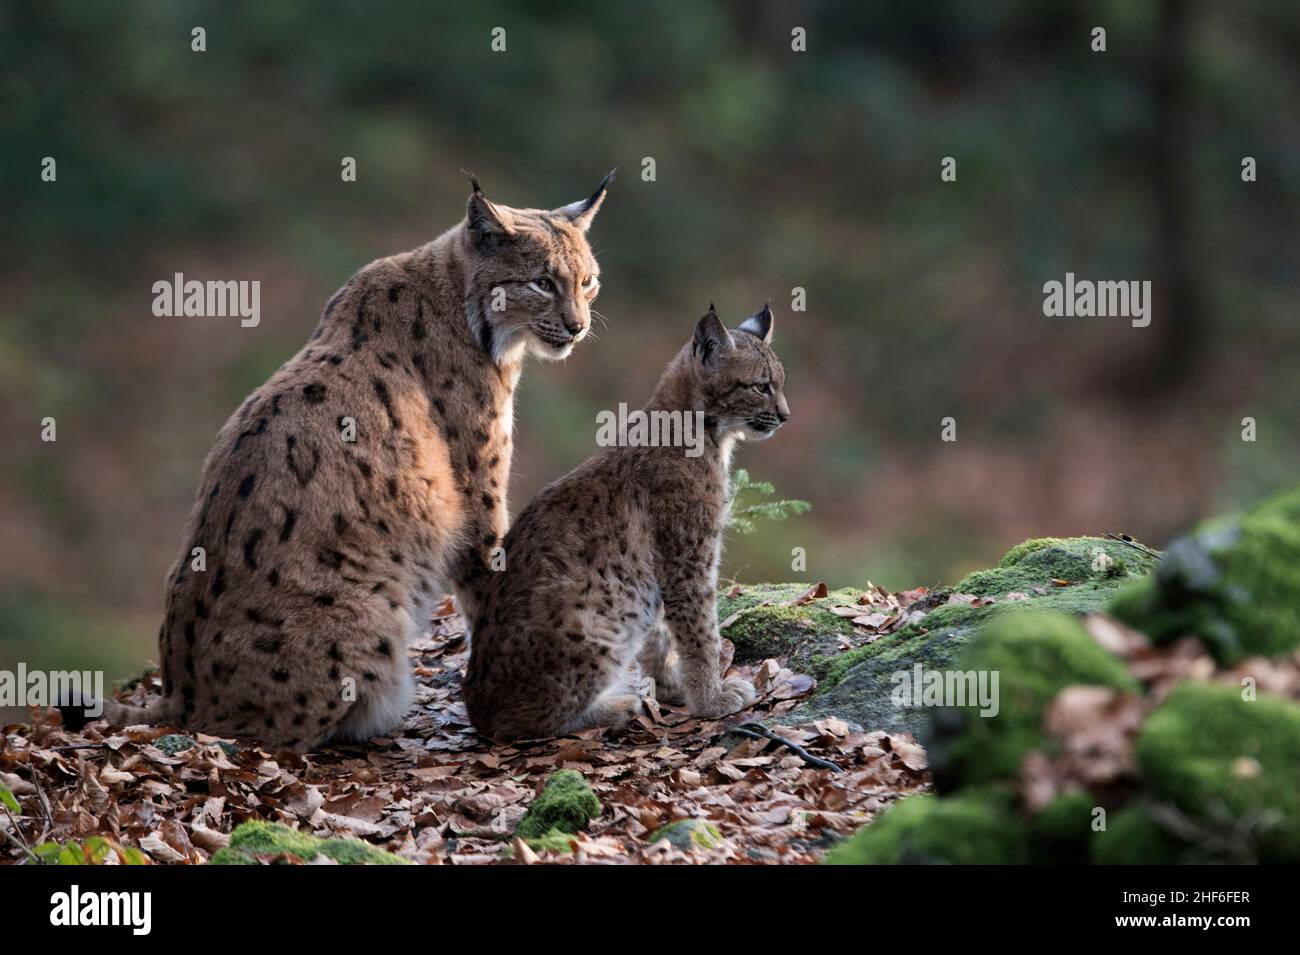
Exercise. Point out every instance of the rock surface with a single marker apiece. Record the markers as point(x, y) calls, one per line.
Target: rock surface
point(1235, 583)
point(686, 834)
point(1114, 746)
point(1074, 575)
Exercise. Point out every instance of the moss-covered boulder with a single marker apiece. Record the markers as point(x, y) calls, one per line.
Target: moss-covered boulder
point(688, 834)
point(1235, 583)
point(256, 839)
point(1133, 837)
point(1074, 575)
point(1228, 763)
point(764, 620)
point(566, 803)
point(1062, 833)
point(1035, 656)
point(553, 840)
point(174, 743)
point(858, 685)
point(1046, 562)
point(976, 827)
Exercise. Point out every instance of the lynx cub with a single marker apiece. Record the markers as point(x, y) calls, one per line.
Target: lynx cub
point(611, 572)
point(371, 465)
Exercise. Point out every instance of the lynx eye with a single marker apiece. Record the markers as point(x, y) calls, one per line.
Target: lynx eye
point(763, 388)
point(543, 284)
point(589, 281)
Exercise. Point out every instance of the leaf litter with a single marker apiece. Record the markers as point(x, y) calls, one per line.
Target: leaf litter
point(438, 793)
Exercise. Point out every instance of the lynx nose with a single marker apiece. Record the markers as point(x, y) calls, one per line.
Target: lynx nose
point(571, 325)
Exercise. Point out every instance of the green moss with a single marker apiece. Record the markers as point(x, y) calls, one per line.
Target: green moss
point(554, 840)
point(565, 803)
point(1036, 563)
point(945, 619)
point(1035, 656)
point(256, 838)
point(1133, 837)
point(973, 828)
point(856, 685)
point(1062, 832)
point(859, 688)
point(1228, 762)
point(231, 857)
point(1235, 583)
point(1017, 553)
point(686, 834)
point(769, 625)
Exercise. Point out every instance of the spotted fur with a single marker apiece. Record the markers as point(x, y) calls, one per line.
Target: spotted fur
point(611, 572)
point(323, 555)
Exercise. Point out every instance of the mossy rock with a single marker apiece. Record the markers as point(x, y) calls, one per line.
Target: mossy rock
point(1228, 763)
point(252, 839)
point(763, 621)
point(1035, 655)
point(1235, 583)
point(174, 743)
point(686, 834)
point(1062, 833)
point(1039, 562)
point(565, 803)
point(553, 840)
point(857, 685)
point(1133, 837)
point(975, 827)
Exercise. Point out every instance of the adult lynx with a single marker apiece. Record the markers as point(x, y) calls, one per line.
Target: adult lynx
point(611, 572)
point(373, 464)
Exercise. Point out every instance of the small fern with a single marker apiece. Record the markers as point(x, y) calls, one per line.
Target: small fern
point(742, 517)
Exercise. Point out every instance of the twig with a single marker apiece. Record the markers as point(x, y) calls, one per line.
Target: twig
point(1132, 543)
point(45, 806)
point(759, 731)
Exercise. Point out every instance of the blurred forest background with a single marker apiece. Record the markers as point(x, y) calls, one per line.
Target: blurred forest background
point(775, 169)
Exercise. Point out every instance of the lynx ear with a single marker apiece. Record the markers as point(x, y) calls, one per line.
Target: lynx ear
point(488, 225)
point(581, 213)
point(759, 324)
point(712, 340)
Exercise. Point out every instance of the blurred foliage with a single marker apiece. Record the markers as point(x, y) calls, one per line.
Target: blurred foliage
point(775, 170)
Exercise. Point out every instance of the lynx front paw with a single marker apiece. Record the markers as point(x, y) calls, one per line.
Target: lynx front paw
point(734, 695)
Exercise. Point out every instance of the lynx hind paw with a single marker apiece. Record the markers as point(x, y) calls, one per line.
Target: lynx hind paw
point(737, 694)
point(732, 696)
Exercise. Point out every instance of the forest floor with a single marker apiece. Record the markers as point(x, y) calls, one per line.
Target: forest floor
point(440, 794)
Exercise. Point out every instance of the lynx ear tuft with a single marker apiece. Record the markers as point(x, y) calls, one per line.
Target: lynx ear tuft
point(488, 224)
point(582, 212)
point(712, 340)
point(759, 324)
